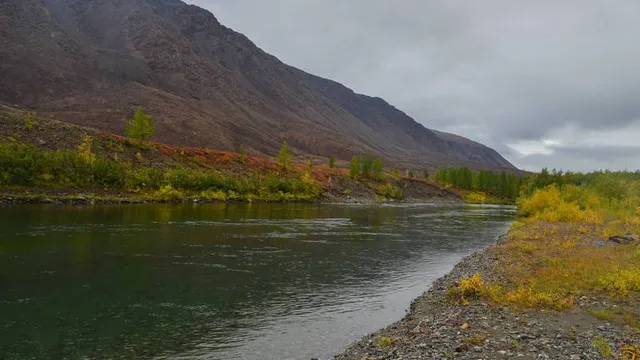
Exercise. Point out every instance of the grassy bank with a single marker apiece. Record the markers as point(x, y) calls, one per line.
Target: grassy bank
point(43, 159)
point(577, 237)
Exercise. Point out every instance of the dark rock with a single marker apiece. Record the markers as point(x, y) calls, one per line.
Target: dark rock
point(624, 239)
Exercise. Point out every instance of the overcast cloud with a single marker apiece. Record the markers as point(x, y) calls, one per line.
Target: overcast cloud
point(551, 83)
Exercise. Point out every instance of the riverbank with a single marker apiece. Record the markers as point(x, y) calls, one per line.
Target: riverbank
point(43, 160)
point(415, 193)
point(437, 328)
point(564, 283)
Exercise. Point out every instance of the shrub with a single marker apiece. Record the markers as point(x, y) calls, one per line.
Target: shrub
point(332, 162)
point(384, 341)
point(620, 282)
point(28, 120)
point(144, 178)
point(109, 173)
point(467, 288)
point(389, 191)
point(168, 193)
point(475, 198)
point(86, 149)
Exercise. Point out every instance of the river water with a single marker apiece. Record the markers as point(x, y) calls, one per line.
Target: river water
point(221, 281)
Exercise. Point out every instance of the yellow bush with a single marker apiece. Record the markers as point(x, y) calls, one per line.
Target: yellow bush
point(540, 201)
point(214, 195)
point(620, 282)
point(168, 193)
point(384, 341)
point(475, 198)
point(467, 288)
point(554, 205)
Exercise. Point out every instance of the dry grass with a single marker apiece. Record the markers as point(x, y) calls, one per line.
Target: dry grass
point(547, 265)
point(559, 249)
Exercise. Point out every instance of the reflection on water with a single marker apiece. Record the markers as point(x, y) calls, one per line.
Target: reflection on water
point(220, 281)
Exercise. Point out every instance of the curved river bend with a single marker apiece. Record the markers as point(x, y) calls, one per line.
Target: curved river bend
point(221, 281)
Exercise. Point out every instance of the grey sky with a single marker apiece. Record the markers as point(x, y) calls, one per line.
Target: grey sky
point(546, 82)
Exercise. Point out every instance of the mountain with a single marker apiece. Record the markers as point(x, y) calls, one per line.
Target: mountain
point(92, 62)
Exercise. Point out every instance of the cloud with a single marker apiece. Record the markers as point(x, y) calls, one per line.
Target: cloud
point(511, 74)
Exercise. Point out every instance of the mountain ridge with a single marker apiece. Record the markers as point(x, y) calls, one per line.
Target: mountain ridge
point(92, 63)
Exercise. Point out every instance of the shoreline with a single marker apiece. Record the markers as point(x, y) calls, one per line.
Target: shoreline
point(67, 197)
point(436, 328)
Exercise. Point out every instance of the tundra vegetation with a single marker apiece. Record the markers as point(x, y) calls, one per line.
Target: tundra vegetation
point(576, 237)
point(40, 156)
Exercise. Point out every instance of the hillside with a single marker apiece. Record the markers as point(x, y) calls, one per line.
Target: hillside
point(47, 159)
point(92, 62)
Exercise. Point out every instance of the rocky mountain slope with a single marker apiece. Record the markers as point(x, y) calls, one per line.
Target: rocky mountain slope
point(92, 62)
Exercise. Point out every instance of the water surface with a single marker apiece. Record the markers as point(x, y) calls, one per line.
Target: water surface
point(220, 281)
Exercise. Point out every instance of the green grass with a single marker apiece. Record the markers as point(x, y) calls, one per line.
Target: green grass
point(26, 166)
point(603, 314)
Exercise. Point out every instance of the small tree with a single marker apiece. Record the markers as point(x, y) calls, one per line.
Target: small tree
point(412, 174)
point(141, 126)
point(378, 168)
point(28, 120)
point(243, 156)
point(332, 162)
point(354, 167)
point(86, 149)
point(366, 164)
point(284, 156)
point(425, 174)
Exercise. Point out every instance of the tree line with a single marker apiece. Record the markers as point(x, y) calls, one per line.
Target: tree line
point(501, 184)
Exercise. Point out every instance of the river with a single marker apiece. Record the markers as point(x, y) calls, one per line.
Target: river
point(220, 281)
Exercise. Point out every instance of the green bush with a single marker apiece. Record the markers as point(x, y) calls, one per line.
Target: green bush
point(109, 173)
point(389, 191)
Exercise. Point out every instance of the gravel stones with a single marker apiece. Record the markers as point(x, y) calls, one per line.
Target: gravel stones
point(436, 329)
